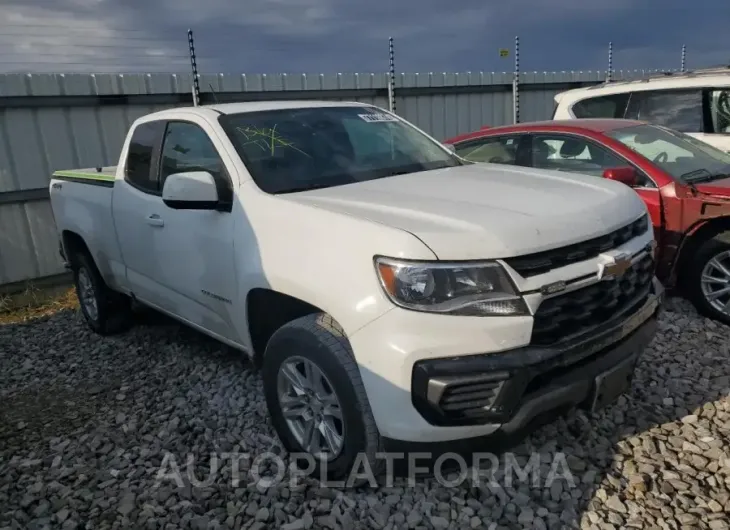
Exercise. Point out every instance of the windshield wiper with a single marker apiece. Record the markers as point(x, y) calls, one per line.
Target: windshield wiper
point(704, 175)
point(308, 187)
point(421, 168)
point(697, 175)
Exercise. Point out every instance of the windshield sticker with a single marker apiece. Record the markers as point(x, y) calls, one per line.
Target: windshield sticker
point(377, 117)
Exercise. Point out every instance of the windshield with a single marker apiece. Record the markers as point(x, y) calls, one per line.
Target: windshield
point(683, 157)
point(301, 149)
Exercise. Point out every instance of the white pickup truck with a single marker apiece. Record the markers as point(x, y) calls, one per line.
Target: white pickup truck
point(388, 289)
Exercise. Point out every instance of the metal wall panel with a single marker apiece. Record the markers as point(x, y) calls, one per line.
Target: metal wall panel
point(17, 259)
point(28, 242)
point(60, 121)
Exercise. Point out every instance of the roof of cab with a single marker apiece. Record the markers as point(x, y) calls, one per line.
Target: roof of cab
point(249, 106)
point(254, 106)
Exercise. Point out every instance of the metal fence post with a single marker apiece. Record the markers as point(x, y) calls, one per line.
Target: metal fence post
point(684, 56)
point(609, 73)
point(391, 76)
point(516, 84)
point(196, 81)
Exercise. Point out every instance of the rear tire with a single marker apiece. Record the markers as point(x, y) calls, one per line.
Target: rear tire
point(318, 340)
point(711, 262)
point(106, 311)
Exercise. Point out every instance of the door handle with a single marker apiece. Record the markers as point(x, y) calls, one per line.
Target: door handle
point(155, 220)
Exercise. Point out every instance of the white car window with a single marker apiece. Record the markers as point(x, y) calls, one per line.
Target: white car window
point(720, 110)
point(680, 110)
point(601, 107)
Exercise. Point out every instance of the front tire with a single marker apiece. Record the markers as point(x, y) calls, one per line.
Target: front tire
point(317, 400)
point(106, 311)
point(709, 279)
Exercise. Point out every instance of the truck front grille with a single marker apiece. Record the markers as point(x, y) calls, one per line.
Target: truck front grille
point(542, 262)
point(577, 311)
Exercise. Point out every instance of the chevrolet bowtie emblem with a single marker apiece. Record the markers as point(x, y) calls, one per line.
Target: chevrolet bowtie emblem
point(615, 268)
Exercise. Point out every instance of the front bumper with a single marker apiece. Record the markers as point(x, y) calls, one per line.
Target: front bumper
point(513, 387)
point(415, 382)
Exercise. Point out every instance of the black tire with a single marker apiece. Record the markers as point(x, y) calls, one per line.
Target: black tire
point(706, 252)
point(319, 339)
point(114, 313)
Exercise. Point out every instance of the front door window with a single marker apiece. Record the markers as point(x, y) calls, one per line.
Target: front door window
point(569, 153)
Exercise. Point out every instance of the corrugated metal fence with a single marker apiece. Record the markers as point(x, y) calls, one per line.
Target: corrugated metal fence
point(55, 121)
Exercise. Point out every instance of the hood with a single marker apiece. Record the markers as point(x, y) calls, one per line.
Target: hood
point(720, 188)
point(486, 211)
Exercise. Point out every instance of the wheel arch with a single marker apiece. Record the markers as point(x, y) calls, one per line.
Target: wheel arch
point(267, 310)
point(73, 244)
point(697, 235)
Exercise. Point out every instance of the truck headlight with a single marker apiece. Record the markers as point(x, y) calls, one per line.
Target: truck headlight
point(466, 289)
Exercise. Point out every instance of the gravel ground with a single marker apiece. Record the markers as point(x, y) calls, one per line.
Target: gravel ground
point(86, 424)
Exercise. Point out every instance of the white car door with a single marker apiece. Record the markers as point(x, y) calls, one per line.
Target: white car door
point(194, 249)
point(179, 261)
point(135, 205)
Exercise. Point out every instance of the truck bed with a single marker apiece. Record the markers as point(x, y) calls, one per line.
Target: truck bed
point(81, 200)
point(100, 176)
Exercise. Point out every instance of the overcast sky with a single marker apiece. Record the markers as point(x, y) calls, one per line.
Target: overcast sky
point(271, 36)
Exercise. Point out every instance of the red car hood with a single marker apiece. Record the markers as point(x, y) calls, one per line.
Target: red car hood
point(718, 187)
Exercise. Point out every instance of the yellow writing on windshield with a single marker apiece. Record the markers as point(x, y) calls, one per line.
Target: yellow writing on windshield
point(266, 139)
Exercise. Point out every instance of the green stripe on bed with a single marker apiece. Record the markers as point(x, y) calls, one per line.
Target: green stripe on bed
point(83, 175)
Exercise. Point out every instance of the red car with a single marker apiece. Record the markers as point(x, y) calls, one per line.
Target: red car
point(684, 182)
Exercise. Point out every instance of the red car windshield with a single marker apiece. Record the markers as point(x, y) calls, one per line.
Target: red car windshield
point(683, 157)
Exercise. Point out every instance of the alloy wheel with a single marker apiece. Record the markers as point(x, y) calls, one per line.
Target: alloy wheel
point(87, 297)
point(715, 282)
point(311, 408)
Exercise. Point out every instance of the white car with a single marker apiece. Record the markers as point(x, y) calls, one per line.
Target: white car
point(389, 289)
point(696, 103)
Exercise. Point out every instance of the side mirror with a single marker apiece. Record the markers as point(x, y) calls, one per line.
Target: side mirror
point(450, 147)
point(191, 190)
point(627, 175)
